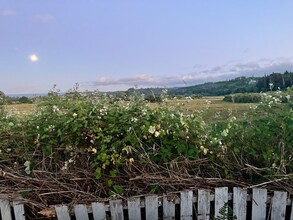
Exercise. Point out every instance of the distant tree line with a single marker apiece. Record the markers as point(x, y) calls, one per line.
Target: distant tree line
point(272, 82)
point(4, 99)
point(275, 81)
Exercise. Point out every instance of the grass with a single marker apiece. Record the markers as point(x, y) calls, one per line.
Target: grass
point(20, 108)
point(217, 109)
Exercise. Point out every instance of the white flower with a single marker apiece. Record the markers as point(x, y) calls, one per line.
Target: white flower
point(74, 115)
point(134, 120)
point(225, 132)
point(205, 151)
point(55, 108)
point(157, 133)
point(152, 129)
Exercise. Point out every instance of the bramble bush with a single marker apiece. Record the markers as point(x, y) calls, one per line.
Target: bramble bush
point(263, 140)
point(102, 133)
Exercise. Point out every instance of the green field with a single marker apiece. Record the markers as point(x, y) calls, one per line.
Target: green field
point(214, 106)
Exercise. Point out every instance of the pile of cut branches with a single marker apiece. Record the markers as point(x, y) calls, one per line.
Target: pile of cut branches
point(42, 189)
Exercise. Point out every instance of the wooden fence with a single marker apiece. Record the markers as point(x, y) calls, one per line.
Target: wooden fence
point(201, 204)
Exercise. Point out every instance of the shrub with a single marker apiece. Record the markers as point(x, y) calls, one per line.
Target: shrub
point(243, 98)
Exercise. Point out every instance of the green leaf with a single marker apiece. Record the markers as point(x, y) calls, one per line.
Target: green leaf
point(118, 189)
point(113, 173)
point(98, 173)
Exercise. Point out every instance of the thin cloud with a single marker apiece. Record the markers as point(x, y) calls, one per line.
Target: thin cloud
point(130, 81)
point(8, 12)
point(45, 18)
point(226, 71)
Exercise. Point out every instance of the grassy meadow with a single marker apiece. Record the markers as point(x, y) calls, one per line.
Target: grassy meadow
point(214, 106)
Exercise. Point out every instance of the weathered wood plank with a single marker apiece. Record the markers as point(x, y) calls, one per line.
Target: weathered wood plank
point(291, 218)
point(99, 211)
point(134, 208)
point(203, 206)
point(18, 209)
point(116, 209)
point(80, 212)
point(239, 203)
point(5, 209)
point(62, 212)
point(221, 199)
point(259, 203)
point(168, 209)
point(186, 205)
point(151, 207)
point(279, 202)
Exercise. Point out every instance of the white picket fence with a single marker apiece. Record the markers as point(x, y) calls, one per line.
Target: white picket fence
point(198, 204)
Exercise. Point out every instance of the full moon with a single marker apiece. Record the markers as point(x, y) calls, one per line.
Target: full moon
point(33, 58)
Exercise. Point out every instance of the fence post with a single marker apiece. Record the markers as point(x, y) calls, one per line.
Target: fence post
point(133, 205)
point(168, 209)
point(186, 205)
point(116, 209)
point(259, 203)
point(5, 209)
point(221, 199)
point(203, 204)
point(151, 207)
point(279, 202)
point(80, 212)
point(99, 211)
point(62, 212)
point(239, 203)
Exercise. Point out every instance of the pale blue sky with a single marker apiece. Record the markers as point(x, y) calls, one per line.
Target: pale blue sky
point(115, 45)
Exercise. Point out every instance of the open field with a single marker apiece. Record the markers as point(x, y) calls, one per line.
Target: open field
point(214, 106)
point(20, 108)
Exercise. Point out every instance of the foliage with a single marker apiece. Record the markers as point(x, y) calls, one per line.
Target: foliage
point(243, 98)
point(263, 140)
point(226, 213)
point(103, 133)
point(238, 85)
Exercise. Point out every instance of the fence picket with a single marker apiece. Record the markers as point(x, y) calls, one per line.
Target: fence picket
point(151, 207)
point(239, 203)
point(221, 199)
point(116, 209)
point(134, 208)
point(279, 202)
point(259, 203)
point(5, 209)
point(168, 209)
point(99, 211)
point(291, 218)
point(186, 205)
point(18, 209)
point(203, 204)
point(280, 209)
point(62, 212)
point(80, 212)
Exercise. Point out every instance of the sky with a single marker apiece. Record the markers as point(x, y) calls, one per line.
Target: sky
point(110, 45)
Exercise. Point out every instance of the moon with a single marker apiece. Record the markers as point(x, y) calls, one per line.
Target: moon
point(33, 58)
